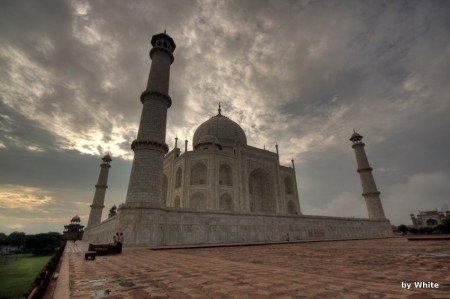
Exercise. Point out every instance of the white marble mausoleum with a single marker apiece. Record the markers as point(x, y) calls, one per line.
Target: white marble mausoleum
point(222, 191)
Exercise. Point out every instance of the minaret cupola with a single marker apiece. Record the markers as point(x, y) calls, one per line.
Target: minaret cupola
point(107, 158)
point(356, 138)
point(163, 40)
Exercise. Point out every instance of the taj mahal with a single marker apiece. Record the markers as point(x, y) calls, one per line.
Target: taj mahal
point(223, 191)
point(224, 173)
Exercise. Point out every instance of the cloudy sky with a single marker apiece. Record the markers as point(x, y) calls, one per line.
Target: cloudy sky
point(300, 73)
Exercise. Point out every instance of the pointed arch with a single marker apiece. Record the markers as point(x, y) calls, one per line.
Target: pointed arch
point(199, 174)
point(226, 202)
point(431, 222)
point(225, 175)
point(288, 186)
point(262, 199)
point(176, 202)
point(178, 177)
point(164, 190)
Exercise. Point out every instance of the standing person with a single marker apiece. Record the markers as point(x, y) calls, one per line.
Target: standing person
point(118, 243)
point(121, 242)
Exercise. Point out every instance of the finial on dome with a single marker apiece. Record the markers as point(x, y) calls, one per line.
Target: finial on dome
point(220, 110)
point(164, 31)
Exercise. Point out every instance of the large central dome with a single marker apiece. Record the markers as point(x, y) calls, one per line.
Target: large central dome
point(228, 133)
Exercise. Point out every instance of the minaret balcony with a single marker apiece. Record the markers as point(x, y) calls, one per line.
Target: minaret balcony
point(147, 95)
point(147, 144)
point(364, 169)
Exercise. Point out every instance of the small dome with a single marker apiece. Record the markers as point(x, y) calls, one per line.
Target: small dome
point(226, 132)
point(75, 218)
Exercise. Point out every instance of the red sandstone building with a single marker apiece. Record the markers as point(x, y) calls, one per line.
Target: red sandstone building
point(74, 230)
point(429, 218)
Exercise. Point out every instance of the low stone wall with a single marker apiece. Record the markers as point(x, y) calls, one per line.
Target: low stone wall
point(102, 233)
point(158, 227)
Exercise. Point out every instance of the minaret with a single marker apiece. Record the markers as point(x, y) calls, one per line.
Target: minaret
point(370, 192)
point(97, 205)
point(150, 146)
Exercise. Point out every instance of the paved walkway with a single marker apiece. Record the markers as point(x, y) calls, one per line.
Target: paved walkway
point(364, 269)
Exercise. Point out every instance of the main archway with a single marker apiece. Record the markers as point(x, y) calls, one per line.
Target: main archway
point(261, 193)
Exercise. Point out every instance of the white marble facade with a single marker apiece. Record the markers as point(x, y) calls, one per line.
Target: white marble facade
point(148, 226)
point(223, 173)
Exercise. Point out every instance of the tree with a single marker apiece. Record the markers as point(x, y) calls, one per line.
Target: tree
point(403, 228)
point(413, 231)
point(43, 243)
point(16, 239)
point(3, 239)
point(445, 226)
point(30, 242)
point(425, 230)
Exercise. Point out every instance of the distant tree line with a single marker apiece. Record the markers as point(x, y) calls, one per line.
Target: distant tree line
point(43, 243)
point(443, 228)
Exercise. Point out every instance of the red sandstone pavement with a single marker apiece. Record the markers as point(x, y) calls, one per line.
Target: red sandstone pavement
point(368, 269)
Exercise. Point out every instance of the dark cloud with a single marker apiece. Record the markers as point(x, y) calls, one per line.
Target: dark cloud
point(16, 128)
point(299, 73)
